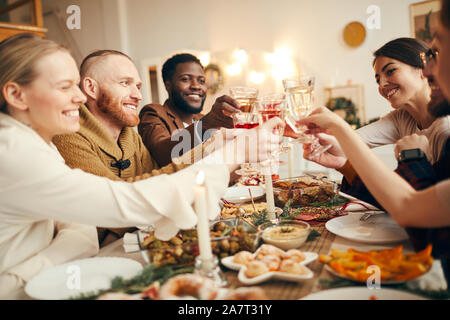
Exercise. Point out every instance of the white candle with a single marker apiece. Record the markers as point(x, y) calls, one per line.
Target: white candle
point(204, 240)
point(291, 160)
point(269, 195)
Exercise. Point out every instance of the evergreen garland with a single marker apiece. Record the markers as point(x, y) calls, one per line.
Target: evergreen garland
point(146, 277)
point(347, 105)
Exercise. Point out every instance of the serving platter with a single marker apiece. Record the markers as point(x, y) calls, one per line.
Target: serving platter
point(389, 266)
point(309, 257)
point(382, 282)
point(273, 274)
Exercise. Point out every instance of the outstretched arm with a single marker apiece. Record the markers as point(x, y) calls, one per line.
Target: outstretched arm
point(406, 205)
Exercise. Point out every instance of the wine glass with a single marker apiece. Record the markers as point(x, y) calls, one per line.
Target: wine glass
point(245, 96)
point(270, 106)
point(299, 95)
point(247, 120)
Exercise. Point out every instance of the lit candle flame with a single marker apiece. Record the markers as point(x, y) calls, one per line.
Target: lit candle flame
point(200, 178)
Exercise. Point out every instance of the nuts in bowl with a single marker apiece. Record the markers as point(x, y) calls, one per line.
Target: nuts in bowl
point(285, 234)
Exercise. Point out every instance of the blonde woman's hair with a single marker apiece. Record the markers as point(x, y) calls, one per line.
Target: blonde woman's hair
point(18, 57)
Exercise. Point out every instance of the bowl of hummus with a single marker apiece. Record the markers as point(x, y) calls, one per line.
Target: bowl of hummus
point(285, 234)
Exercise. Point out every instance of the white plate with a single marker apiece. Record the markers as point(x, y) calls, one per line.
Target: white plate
point(80, 276)
point(228, 261)
point(380, 228)
point(241, 194)
point(362, 293)
point(274, 274)
point(309, 257)
point(355, 206)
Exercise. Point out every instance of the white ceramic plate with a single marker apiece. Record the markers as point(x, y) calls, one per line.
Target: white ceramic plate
point(274, 274)
point(80, 276)
point(228, 261)
point(362, 293)
point(241, 194)
point(379, 229)
point(309, 257)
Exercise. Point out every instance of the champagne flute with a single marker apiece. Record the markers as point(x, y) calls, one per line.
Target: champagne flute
point(299, 93)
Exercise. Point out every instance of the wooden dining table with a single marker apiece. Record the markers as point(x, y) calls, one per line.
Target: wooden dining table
point(285, 290)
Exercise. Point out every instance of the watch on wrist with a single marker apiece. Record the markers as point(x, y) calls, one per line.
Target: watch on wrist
point(410, 155)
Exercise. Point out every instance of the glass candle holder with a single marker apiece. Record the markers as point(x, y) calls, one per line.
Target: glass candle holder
point(210, 269)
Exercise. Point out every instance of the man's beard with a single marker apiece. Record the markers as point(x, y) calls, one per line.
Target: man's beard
point(181, 104)
point(114, 110)
point(440, 109)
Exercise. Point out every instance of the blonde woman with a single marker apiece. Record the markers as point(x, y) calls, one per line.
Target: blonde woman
point(39, 99)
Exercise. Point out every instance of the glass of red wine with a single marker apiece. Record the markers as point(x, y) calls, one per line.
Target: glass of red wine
point(270, 106)
point(247, 120)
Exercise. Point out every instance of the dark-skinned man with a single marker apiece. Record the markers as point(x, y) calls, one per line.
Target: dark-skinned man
point(160, 125)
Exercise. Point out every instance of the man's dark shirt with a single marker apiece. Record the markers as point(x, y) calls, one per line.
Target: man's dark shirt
point(420, 175)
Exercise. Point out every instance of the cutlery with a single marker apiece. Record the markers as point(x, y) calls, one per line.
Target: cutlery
point(369, 214)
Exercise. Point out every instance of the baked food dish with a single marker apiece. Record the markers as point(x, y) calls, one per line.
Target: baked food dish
point(256, 268)
point(243, 257)
point(290, 266)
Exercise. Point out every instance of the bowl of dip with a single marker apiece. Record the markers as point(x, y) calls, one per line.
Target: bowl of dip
point(285, 234)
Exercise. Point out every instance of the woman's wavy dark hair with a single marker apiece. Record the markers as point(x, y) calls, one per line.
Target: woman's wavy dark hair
point(406, 50)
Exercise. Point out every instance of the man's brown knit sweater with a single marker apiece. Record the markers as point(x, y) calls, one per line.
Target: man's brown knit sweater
point(93, 150)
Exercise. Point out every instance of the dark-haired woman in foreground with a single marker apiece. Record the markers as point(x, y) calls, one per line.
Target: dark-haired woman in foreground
point(398, 68)
point(401, 80)
point(428, 208)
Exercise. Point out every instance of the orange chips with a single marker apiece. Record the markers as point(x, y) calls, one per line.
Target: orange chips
point(393, 264)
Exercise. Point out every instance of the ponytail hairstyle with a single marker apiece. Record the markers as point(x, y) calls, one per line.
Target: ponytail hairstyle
point(406, 50)
point(18, 57)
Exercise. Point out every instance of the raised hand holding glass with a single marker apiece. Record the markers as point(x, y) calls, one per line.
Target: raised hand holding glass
point(299, 96)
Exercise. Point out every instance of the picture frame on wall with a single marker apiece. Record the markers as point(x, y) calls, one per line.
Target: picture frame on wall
point(347, 102)
point(424, 17)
